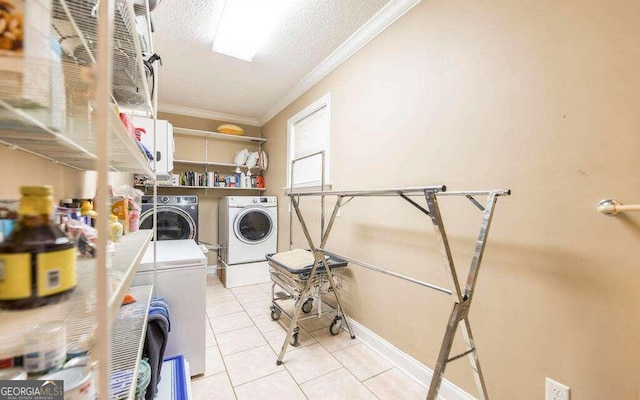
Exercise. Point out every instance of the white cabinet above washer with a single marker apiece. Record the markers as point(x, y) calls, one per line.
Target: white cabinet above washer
point(164, 145)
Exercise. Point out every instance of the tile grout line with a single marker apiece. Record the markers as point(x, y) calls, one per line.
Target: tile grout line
point(342, 366)
point(275, 352)
point(266, 344)
point(248, 348)
point(244, 309)
point(222, 315)
point(226, 370)
point(271, 374)
point(372, 376)
point(227, 315)
point(257, 379)
point(317, 377)
point(327, 350)
point(356, 341)
point(348, 371)
point(378, 374)
point(359, 381)
point(345, 367)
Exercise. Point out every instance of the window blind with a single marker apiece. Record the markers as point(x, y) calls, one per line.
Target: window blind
point(310, 135)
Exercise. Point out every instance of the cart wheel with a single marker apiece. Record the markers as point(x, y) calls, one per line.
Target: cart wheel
point(294, 338)
point(307, 306)
point(275, 313)
point(335, 326)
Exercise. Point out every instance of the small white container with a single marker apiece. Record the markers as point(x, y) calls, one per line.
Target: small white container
point(45, 347)
point(77, 362)
point(13, 374)
point(78, 383)
point(79, 347)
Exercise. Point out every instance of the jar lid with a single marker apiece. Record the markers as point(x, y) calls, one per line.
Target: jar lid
point(45, 190)
point(76, 362)
point(73, 377)
point(48, 328)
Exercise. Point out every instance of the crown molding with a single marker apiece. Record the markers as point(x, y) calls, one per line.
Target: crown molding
point(372, 28)
point(194, 112)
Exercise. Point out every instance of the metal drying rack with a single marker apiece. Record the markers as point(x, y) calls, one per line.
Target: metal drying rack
point(462, 296)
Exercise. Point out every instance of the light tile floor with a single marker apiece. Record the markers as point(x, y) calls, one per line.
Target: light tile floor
point(242, 346)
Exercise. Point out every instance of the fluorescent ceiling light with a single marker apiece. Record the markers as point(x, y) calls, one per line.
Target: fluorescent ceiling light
point(245, 25)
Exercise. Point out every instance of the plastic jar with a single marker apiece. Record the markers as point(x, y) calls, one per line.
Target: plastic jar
point(134, 220)
point(78, 382)
point(13, 374)
point(115, 228)
point(45, 347)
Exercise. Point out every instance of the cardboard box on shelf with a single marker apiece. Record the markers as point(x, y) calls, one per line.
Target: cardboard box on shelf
point(120, 208)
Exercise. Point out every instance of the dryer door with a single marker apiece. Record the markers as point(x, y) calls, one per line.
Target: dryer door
point(253, 225)
point(173, 223)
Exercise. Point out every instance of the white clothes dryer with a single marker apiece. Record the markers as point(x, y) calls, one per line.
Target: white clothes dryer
point(247, 228)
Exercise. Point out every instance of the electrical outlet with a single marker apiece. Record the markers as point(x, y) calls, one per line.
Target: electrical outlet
point(557, 391)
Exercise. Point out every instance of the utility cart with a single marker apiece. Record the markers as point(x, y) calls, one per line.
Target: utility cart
point(291, 271)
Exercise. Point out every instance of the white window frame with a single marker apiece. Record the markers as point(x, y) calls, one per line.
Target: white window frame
point(324, 101)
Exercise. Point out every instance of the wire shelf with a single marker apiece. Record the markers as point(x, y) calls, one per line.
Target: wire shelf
point(213, 164)
point(78, 311)
point(47, 97)
point(75, 25)
point(127, 340)
point(130, 250)
point(216, 135)
point(203, 187)
point(75, 145)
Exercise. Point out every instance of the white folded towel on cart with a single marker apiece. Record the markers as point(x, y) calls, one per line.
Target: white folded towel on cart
point(294, 259)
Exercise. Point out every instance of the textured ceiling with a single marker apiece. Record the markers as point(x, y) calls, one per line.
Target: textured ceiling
point(196, 77)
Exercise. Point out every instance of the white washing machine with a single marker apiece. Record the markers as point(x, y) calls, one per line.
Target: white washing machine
point(248, 228)
point(247, 232)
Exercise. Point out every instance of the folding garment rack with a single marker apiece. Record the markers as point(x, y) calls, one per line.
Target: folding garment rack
point(463, 297)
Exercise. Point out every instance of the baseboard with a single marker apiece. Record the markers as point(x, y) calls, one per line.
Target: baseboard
point(244, 274)
point(415, 369)
point(212, 269)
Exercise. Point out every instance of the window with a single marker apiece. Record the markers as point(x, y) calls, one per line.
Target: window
point(308, 132)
